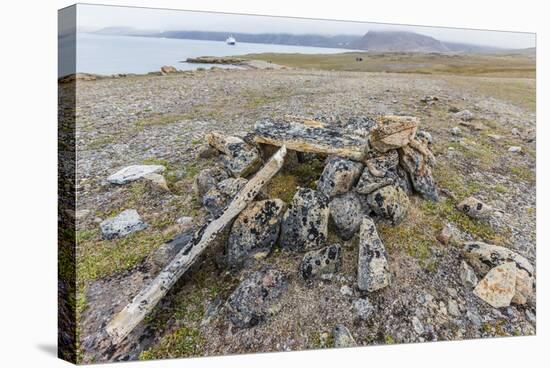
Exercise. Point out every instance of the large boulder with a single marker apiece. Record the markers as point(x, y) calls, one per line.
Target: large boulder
point(134, 172)
point(123, 224)
point(346, 213)
point(255, 299)
point(208, 179)
point(240, 158)
point(390, 203)
point(255, 230)
point(417, 160)
point(339, 176)
point(483, 257)
point(498, 287)
point(373, 272)
point(320, 263)
point(305, 223)
point(217, 198)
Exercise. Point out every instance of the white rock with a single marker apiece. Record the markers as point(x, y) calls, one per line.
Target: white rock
point(346, 290)
point(134, 172)
point(123, 224)
point(514, 149)
point(456, 131)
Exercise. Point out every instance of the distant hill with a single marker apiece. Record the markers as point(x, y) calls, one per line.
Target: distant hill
point(338, 41)
point(398, 41)
point(375, 41)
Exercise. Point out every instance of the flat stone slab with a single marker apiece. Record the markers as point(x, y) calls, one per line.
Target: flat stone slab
point(134, 172)
point(123, 224)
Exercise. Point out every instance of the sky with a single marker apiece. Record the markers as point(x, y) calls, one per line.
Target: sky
point(94, 17)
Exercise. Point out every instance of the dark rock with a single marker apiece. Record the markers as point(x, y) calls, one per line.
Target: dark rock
point(305, 223)
point(255, 230)
point(319, 263)
point(373, 271)
point(239, 158)
point(208, 179)
point(346, 213)
point(217, 198)
point(167, 251)
point(255, 299)
point(389, 202)
point(418, 162)
point(339, 176)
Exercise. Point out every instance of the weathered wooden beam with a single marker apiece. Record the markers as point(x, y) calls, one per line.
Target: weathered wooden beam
point(129, 317)
point(311, 138)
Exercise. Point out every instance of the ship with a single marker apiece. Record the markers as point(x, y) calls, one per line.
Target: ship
point(230, 40)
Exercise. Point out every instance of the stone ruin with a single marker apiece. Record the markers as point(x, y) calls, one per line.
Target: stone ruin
point(371, 167)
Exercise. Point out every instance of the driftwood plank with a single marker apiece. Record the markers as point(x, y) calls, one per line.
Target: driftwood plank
point(311, 138)
point(127, 319)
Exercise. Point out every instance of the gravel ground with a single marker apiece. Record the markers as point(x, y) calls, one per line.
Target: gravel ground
point(162, 120)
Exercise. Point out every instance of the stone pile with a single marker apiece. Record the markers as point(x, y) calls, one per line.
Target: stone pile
point(371, 168)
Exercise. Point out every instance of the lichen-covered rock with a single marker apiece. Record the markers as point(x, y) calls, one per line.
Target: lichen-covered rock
point(373, 272)
point(498, 287)
point(346, 213)
point(240, 158)
point(417, 160)
point(217, 198)
point(379, 172)
point(123, 224)
point(483, 257)
point(474, 208)
point(255, 299)
point(208, 179)
point(305, 223)
point(393, 132)
point(389, 202)
point(342, 337)
point(339, 176)
point(255, 230)
point(321, 262)
point(134, 172)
